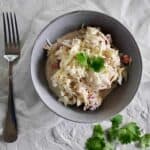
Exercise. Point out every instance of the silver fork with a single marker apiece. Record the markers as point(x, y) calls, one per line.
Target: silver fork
point(12, 52)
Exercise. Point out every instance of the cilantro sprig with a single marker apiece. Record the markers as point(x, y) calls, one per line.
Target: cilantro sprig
point(145, 141)
point(113, 131)
point(116, 121)
point(82, 58)
point(106, 140)
point(129, 133)
point(97, 140)
point(94, 63)
point(94, 143)
point(98, 131)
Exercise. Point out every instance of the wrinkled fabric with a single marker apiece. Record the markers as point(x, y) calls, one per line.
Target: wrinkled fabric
point(40, 129)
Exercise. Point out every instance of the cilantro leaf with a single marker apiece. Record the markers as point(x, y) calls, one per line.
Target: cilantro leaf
point(129, 133)
point(113, 131)
point(145, 141)
point(126, 134)
point(116, 121)
point(94, 143)
point(82, 58)
point(96, 63)
point(108, 146)
point(112, 134)
point(98, 131)
point(97, 141)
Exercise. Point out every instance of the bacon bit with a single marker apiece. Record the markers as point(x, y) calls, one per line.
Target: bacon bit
point(97, 33)
point(91, 96)
point(72, 84)
point(126, 59)
point(55, 65)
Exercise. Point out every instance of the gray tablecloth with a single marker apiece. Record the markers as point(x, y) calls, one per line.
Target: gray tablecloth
point(40, 129)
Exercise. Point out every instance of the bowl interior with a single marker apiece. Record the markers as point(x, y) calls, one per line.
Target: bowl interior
point(122, 39)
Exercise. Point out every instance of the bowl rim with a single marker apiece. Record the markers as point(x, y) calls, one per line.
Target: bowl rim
point(118, 22)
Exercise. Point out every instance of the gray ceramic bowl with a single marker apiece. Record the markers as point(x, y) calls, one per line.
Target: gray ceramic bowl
point(122, 39)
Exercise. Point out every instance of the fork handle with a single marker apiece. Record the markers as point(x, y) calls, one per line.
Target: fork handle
point(10, 132)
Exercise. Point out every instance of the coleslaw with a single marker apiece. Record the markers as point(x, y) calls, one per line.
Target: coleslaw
point(74, 79)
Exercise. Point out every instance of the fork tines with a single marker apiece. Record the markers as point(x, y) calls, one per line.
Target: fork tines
point(11, 35)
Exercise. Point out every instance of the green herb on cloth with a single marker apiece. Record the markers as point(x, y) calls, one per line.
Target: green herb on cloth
point(129, 133)
point(126, 134)
point(145, 141)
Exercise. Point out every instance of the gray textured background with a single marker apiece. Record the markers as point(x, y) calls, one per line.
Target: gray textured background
point(39, 128)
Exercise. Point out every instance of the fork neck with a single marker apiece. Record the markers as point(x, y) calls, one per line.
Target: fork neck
point(10, 70)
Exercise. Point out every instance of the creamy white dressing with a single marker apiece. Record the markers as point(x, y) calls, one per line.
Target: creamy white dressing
point(76, 84)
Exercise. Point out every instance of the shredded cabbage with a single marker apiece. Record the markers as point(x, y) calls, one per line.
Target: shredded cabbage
point(79, 85)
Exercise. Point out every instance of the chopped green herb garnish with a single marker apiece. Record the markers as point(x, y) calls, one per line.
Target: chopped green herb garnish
point(95, 63)
point(82, 58)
